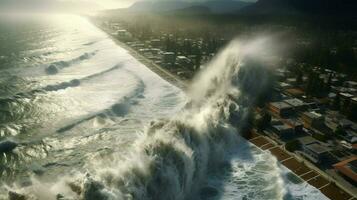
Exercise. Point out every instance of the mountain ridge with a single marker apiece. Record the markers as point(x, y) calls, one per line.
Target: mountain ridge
point(215, 6)
point(302, 7)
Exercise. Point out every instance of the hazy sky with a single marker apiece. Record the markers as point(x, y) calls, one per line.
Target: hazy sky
point(126, 3)
point(74, 4)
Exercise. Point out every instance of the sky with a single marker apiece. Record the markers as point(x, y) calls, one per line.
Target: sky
point(74, 4)
point(127, 3)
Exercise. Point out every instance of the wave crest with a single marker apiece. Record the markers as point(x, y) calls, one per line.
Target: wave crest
point(172, 158)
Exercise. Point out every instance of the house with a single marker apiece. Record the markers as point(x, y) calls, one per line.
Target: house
point(316, 152)
point(183, 61)
point(281, 108)
point(297, 104)
point(155, 43)
point(331, 123)
point(312, 119)
point(138, 45)
point(283, 131)
point(345, 123)
point(294, 92)
point(348, 168)
point(291, 81)
point(122, 33)
point(307, 140)
point(155, 51)
point(345, 100)
point(350, 136)
point(353, 109)
point(168, 57)
point(283, 85)
point(295, 124)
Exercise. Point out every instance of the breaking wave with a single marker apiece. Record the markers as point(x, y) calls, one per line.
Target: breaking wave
point(55, 67)
point(120, 109)
point(171, 159)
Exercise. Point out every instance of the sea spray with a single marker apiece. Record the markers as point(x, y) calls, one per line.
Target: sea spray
point(172, 158)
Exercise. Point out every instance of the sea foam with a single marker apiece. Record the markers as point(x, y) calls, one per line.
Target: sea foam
point(171, 159)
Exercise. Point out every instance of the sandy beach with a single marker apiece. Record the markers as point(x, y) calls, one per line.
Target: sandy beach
point(163, 73)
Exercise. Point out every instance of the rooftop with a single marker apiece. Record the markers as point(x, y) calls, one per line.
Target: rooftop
point(280, 105)
point(294, 102)
point(346, 95)
point(307, 140)
point(348, 167)
point(317, 148)
point(169, 53)
point(295, 92)
point(313, 115)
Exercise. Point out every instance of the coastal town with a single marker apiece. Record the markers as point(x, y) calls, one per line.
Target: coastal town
point(309, 122)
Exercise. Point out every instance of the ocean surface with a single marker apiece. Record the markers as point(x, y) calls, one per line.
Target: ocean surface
point(80, 110)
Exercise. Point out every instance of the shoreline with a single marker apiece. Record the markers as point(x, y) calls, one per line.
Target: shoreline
point(302, 169)
point(158, 70)
point(291, 161)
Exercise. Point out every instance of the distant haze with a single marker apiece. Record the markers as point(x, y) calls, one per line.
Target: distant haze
point(72, 5)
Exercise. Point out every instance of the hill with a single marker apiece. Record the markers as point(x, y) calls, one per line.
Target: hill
point(215, 6)
point(302, 7)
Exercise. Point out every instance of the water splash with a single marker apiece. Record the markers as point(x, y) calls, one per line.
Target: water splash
point(171, 159)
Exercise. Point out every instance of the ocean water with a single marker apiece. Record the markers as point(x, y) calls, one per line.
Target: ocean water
point(91, 122)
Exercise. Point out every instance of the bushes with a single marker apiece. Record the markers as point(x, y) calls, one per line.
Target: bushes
point(292, 145)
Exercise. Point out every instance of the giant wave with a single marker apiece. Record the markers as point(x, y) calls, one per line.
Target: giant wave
point(172, 158)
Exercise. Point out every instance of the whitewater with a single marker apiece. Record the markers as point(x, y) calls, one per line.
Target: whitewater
point(90, 122)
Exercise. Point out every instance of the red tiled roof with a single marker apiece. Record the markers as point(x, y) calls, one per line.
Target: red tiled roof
point(345, 169)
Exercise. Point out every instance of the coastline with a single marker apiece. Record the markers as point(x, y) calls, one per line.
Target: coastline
point(291, 161)
point(301, 168)
point(160, 71)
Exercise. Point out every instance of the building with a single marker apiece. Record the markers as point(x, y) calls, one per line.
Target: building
point(283, 131)
point(307, 140)
point(122, 33)
point(345, 100)
point(312, 119)
point(168, 58)
point(297, 104)
point(353, 109)
point(183, 61)
point(283, 85)
point(331, 123)
point(315, 152)
point(294, 92)
point(281, 109)
point(291, 81)
point(155, 43)
point(348, 168)
point(345, 123)
point(155, 51)
point(295, 124)
point(351, 84)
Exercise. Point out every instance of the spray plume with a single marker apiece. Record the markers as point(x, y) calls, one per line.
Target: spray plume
point(172, 158)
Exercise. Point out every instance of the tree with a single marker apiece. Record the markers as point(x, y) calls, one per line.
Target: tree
point(292, 145)
point(340, 131)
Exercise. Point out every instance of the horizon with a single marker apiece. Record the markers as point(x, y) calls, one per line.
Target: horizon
point(74, 6)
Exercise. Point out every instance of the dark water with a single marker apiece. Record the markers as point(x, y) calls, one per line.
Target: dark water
point(97, 96)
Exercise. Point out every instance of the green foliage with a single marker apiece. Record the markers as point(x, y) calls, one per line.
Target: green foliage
point(292, 145)
point(320, 137)
point(340, 131)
